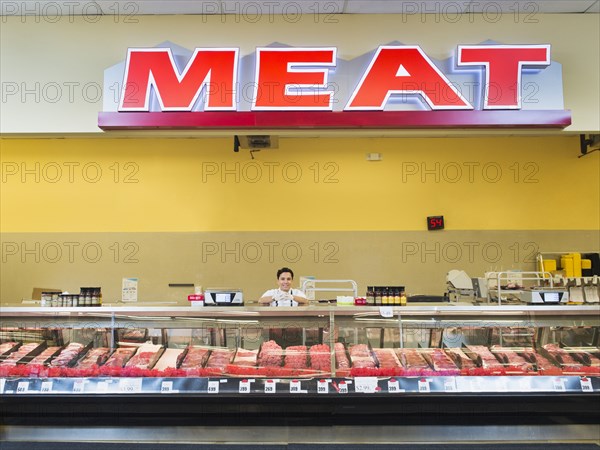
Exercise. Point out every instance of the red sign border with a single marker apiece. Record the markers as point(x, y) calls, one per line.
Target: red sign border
point(291, 120)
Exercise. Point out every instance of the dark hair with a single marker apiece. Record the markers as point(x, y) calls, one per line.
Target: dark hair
point(283, 270)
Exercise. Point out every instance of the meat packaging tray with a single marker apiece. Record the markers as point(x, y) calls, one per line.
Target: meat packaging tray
point(23, 353)
point(145, 357)
point(170, 359)
point(45, 356)
point(513, 360)
point(135, 335)
point(194, 357)
point(439, 361)
point(8, 347)
point(273, 360)
point(70, 354)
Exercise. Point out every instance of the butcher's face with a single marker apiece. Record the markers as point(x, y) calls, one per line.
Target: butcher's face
point(285, 281)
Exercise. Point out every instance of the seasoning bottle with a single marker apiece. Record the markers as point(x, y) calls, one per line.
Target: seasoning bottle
point(385, 296)
point(95, 292)
point(370, 296)
point(88, 297)
point(402, 297)
point(377, 290)
point(397, 295)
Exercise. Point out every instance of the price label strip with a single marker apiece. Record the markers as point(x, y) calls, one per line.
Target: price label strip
point(130, 385)
point(343, 387)
point(586, 384)
point(323, 386)
point(244, 387)
point(102, 387)
point(296, 387)
point(476, 384)
point(2, 383)
point(46, 387)
point(270, 386)
point(423, 385)
point(23, 387)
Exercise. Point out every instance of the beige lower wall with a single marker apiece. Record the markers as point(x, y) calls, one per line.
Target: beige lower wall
point(248, 260)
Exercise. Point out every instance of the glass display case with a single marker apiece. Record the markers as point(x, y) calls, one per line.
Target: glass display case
point(308, 344)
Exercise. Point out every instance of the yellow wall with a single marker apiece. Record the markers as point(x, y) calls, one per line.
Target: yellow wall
point(177, 185)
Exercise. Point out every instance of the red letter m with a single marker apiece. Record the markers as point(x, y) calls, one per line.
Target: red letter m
point(214, 69)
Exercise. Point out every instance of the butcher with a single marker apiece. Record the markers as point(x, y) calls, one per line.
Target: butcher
point(284, 295)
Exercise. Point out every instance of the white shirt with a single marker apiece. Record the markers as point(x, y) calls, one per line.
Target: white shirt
point(282, 298)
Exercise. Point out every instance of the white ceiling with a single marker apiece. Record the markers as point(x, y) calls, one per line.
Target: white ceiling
point(294, 7)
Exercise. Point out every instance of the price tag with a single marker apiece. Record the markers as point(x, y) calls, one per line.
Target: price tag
point(559, 384)
point(78, 386)
point(23, 387)
point(424, 385)
point(365, 385)
point(245, 386)
point(270, 386)
point(46, 387)
point(213, 387)
point(323, 387)
point(295, 387)
point(130, 385)
point(343, 387)
point(386, 311)
point(393, 386)
point(450, 385)
point(586, 384)
point(2, 383)
point(102, 387)
point(166, 387)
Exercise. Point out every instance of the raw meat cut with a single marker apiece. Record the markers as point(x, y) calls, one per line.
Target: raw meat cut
point(95, 357)
point(360, 356)
point(320, 357)
point(411, 359)
point(440, 361)
point(296, 357)
point(169, 359)
point(219, 358)
point(245, 358)
point(44, 356)
point(23, 351)
point(195, 358)
point(271, 355)
point(459, 357)
point(340, 356)
point(486, 358)
point(145, 357)
point(119, 357)
point(67, 355)
point(387, 358)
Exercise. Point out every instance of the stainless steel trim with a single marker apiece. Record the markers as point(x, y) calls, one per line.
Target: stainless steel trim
point(364, 434)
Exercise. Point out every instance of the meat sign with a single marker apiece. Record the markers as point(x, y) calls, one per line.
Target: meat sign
point(312, 81)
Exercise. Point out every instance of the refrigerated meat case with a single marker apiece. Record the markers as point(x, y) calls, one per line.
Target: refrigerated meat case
point(313, 365)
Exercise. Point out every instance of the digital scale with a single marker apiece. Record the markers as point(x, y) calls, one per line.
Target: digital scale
point(223, 297)
point(544, 296)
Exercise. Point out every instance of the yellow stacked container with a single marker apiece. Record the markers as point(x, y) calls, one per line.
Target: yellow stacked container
point(566, 263)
